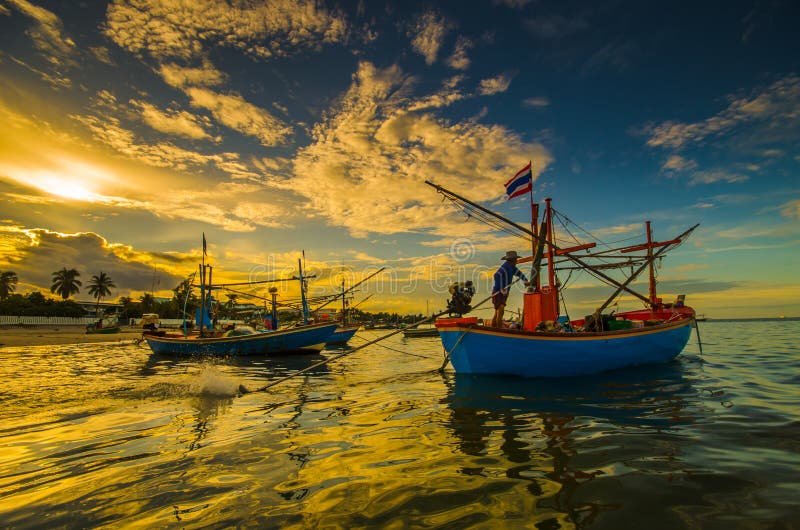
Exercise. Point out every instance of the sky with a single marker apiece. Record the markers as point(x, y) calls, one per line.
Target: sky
point(131, 128)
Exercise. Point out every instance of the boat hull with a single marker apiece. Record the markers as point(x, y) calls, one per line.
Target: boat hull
point(288, 340)
point(424, 332)
point(341, 335)
point(103, 331)
point(484, 350)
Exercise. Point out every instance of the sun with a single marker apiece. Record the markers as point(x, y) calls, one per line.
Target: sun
point(67, 189)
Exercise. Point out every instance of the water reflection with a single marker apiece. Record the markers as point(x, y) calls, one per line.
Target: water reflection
point(565, 436)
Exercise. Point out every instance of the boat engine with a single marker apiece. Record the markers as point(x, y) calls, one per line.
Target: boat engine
point(460, 298)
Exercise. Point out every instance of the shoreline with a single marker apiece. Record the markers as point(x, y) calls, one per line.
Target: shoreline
point(21, 336)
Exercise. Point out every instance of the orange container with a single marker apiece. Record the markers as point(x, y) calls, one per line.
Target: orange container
point(462, 321)
point(539, 307)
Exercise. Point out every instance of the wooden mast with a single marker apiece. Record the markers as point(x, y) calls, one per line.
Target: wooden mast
point(551, 270)
point(303, 290)
point(651, 265)
point(534, 230)
point(344, 305)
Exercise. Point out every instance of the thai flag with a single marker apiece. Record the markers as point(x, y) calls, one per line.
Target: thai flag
point(521, 183)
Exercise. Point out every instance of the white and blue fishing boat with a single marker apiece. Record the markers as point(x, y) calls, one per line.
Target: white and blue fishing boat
point(299, 339)
point(546, 342)
point(241, 340)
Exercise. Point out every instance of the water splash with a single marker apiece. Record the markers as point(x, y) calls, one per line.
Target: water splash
point(210, 381)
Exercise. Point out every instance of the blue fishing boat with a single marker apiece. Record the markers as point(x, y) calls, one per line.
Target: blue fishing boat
point(341, 335)
point(477, 349)
point(544, 342)
point(241, 340)
point(282, 341)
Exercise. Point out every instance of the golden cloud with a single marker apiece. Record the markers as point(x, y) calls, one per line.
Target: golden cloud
point(366, 167)
point(176, 29)
point(175, 122)
point(234, 112)
point(427, 33)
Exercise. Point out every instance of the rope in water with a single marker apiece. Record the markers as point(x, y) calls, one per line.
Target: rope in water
point(245, 390)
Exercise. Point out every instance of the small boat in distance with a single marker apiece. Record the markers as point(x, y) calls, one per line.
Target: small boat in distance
point(429, 330)
point(549, 344)
point(103, 328)
point(421, 332)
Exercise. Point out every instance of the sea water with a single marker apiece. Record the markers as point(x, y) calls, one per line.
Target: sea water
point(110, 435)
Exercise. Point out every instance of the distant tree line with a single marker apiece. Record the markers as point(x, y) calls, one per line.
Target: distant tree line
point(66, 283)
point(35, 304)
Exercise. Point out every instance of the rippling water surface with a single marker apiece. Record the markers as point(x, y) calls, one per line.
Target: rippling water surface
point(113, 436)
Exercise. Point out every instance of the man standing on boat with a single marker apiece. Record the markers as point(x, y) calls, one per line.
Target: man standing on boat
point(502, 281)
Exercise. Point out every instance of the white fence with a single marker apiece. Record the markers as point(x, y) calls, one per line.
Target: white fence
point(6, 320)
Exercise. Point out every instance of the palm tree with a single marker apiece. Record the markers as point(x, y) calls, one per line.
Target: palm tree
point(100, 286)
point(65, 283)
point(147, 303)
point(8, 282)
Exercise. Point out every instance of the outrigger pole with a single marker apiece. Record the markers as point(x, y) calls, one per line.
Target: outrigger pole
point(541, 241)
point(649, 263)
point(350, 289)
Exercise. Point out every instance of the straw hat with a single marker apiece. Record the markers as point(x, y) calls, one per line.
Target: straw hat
point(511, 255)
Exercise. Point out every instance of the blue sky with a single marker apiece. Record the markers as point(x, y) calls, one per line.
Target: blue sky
point(133, 127)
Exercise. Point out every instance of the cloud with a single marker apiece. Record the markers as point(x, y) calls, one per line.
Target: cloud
point(447, 95)
point(427, 34)
point(514, 4)
point(494, 85)
point(176, 29)
point(232, 206)
point(678, 163)
point(716, 175)
point(34, 253)
point(459, 59)
point(102, 54)
point(776, 106)
point(108, 129)
point(175, 122)
point(378, 150)
point(555, 26)
point(791, 209)
point(536, 102)
point(617, 230)
point(234, 112)
point(56, 79)
point(181, 76)
point(619, 54)
point(47, 32)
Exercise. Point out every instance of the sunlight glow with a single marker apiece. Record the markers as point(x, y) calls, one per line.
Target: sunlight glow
point(65, 177)
point(65, 188)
